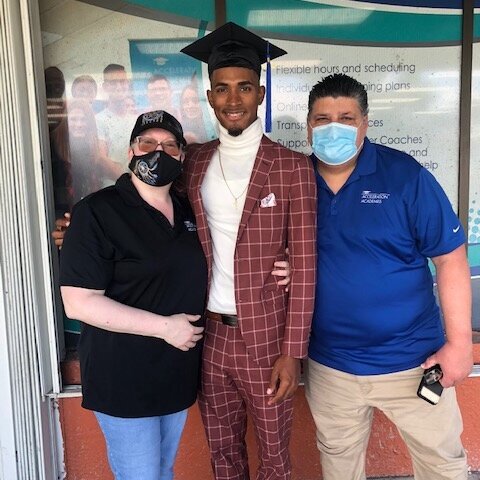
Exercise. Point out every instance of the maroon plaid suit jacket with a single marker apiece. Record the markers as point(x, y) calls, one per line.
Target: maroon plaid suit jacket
point(271, 321)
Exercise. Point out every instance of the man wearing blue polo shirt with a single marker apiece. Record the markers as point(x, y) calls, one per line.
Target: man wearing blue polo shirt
point(376, 326)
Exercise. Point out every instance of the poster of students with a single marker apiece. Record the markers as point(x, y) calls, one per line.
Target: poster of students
point(165, 79)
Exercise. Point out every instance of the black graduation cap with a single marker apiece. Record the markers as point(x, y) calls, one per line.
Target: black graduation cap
point(234, 46)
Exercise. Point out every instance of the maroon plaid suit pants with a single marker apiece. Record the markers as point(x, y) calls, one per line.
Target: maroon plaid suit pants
point(232, 384)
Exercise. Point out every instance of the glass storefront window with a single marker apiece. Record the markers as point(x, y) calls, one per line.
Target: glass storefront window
point(104, 67)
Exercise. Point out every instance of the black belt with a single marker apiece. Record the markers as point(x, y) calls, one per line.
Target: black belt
point(229, 320)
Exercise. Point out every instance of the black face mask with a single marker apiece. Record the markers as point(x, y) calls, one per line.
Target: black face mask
point(156, 168)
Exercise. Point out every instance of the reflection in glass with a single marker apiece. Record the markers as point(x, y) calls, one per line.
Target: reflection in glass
point(192, 115)
point(115, 123)
point(75, 156)
point(160, 95)
point(55, 92)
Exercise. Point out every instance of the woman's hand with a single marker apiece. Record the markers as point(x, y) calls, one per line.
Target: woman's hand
point(282, 270)
point(180, 332)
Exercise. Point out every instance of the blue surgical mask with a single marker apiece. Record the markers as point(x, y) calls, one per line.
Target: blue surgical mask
point(335, 143)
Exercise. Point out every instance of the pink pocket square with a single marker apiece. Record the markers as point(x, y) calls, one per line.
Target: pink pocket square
point(268, 201)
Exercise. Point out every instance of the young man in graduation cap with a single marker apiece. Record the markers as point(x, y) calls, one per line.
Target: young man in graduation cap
point(252, 198)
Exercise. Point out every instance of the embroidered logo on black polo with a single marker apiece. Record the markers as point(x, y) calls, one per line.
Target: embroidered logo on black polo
point(190, 226)
point(372, 197)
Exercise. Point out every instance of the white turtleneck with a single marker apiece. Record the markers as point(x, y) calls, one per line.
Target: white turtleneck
point(237, 159)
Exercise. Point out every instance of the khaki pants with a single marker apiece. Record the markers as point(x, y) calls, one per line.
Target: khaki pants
point(342, 407)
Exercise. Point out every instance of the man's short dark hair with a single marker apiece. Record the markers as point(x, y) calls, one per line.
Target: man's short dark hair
point(339, 85)
point(113, 67)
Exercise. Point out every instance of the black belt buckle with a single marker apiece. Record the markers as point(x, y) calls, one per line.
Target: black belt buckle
point(229, 320)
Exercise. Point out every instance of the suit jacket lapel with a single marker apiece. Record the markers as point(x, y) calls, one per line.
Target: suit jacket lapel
point(261, 169)
point(197, 175)
point(202, 162)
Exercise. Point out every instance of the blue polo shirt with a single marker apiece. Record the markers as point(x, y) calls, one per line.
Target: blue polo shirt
point(375, 310)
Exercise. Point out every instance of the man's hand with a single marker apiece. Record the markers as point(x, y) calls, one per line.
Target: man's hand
point(61, 225)
point(284, 379)
point(456, 362)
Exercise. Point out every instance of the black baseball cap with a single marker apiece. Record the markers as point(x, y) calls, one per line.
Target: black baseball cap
point(158, 119)
point(233, 46)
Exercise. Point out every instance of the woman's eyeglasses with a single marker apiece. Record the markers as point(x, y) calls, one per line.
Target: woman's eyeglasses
point(149, 144)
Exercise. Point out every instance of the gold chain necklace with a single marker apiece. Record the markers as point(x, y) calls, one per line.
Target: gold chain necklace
point(235, 198)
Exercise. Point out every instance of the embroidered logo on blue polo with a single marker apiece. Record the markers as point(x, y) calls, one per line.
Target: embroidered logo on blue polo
point(372, 197)
point(190, 226)
point(455, 230)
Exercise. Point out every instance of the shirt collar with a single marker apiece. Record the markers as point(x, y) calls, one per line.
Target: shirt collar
point(367, 160)
point(128, 192)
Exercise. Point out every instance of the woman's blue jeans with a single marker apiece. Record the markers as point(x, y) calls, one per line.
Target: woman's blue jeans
point(142, 448)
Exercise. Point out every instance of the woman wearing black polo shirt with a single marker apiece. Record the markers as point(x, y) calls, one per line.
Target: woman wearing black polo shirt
point(131, 261)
